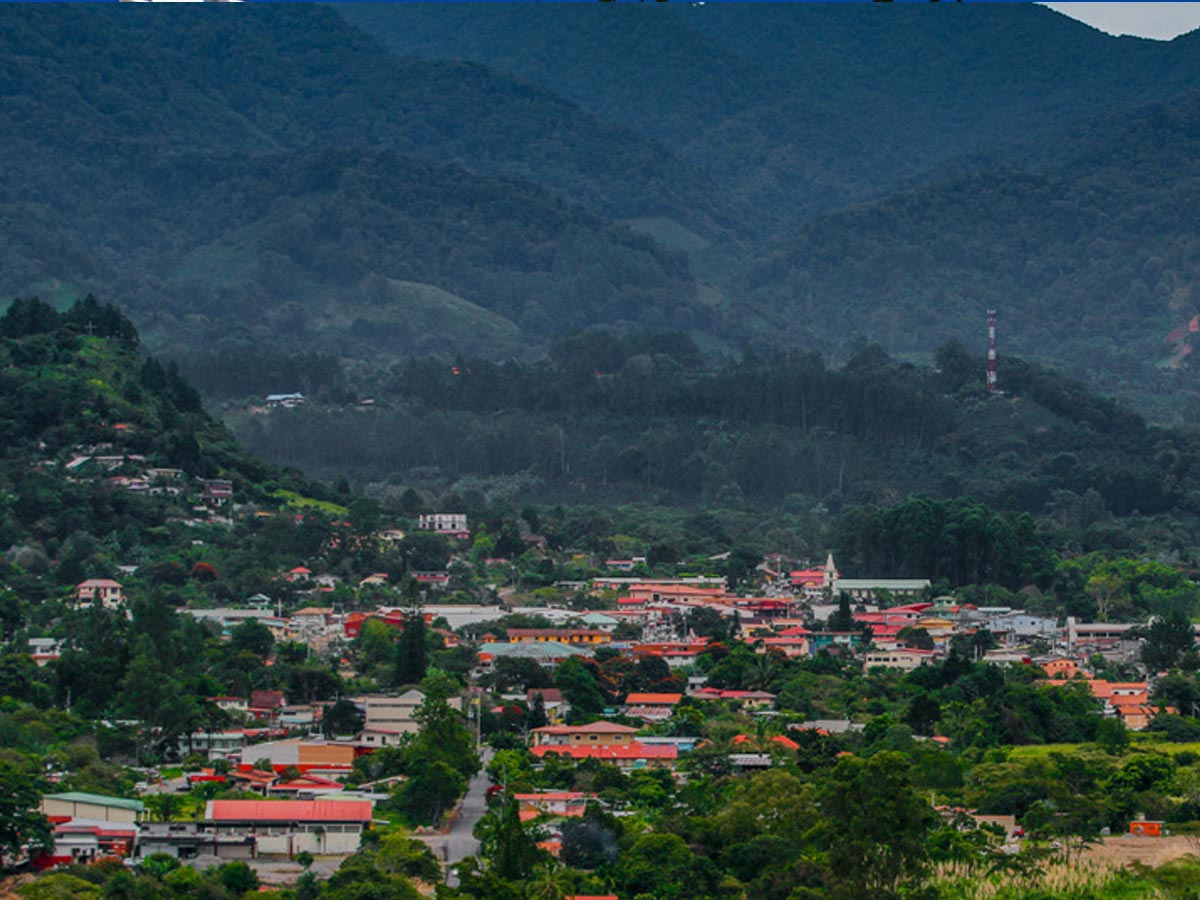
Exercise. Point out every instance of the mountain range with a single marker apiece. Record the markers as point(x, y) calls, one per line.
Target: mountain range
point(372, 180)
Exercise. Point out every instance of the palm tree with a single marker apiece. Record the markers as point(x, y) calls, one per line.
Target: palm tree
point(759, 674)
point(550, 882)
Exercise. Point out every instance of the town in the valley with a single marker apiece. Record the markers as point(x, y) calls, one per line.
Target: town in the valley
point(270, 777)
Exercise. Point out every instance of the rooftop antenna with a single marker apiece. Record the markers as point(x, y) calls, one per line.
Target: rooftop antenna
point(991, 357)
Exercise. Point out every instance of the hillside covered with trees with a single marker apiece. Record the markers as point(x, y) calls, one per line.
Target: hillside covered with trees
point(424, 181)
point(291, 211)
point(610, 419)
point(1091, 261)
point(787, 105)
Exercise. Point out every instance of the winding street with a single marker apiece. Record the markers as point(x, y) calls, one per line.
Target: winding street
point(458, 843)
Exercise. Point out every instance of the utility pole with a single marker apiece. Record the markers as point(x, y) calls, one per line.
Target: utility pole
point(477, 700)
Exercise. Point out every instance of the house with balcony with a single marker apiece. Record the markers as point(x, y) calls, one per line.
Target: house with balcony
point(100, 592)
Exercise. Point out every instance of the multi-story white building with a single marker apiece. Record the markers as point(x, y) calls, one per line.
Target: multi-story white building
point(453, 524)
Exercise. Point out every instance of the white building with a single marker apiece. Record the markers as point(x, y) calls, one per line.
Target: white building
point(285, 401)
point(444, 523)
point(903, 659)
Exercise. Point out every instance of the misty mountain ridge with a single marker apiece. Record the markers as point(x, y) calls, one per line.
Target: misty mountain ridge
point(373, 181)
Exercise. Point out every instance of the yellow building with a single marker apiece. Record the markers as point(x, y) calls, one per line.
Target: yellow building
point(576, 636)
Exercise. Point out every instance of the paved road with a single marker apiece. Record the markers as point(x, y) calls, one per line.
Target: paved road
point(459, 843)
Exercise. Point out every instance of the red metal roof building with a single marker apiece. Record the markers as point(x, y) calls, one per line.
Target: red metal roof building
point(287, 827)
point(263, 811)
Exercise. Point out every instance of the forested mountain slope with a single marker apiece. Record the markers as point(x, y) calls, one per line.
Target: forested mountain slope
point(227, 163)
point(272, 177)
point(1092, 262)
point(104, 449)
point(804, 107)
point(605, 419)
point(364, 254)
point(263, 78)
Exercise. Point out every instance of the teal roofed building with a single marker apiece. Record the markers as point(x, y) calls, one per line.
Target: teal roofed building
point(59, 808)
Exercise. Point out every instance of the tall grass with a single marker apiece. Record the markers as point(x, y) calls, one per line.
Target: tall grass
point(1084, 880)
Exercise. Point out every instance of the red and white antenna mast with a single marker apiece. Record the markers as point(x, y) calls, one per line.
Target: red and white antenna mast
point(991, 359)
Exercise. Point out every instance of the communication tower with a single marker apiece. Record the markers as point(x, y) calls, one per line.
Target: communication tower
point(991, 359)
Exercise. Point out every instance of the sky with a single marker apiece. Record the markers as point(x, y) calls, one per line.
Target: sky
point(1153, 20)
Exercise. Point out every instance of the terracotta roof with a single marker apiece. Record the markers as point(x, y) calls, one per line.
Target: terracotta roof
point(653, 699)
point(593, 728)
point(777, 739)
point(678, 589)
point(307, 781)
point(612, 751)
point(289, 810)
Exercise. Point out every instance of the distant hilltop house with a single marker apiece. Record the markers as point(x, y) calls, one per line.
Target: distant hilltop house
point(216, 491)
point(284, 401)
point(45, 650)
point(449, 524)
point(104, 591)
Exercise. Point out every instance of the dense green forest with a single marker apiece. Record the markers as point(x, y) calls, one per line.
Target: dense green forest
point(648, 417)
point(323, 224)
point(194, 79)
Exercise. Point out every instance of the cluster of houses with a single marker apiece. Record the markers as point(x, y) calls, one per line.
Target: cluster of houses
point(90, 827)
point(903, 634)
point(304, 805)
point(133, 472)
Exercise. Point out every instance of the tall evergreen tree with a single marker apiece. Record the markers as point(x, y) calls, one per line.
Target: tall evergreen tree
point(412, 650)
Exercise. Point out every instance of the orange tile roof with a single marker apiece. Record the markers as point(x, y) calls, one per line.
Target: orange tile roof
point(611, 751)
point(593, 728)
point(289, 810)
point(653, 699)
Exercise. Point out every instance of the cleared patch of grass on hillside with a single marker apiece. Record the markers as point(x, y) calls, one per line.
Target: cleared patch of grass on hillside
point(298, 501)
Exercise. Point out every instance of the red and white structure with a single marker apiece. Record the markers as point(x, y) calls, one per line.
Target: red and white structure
point(991, 357)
